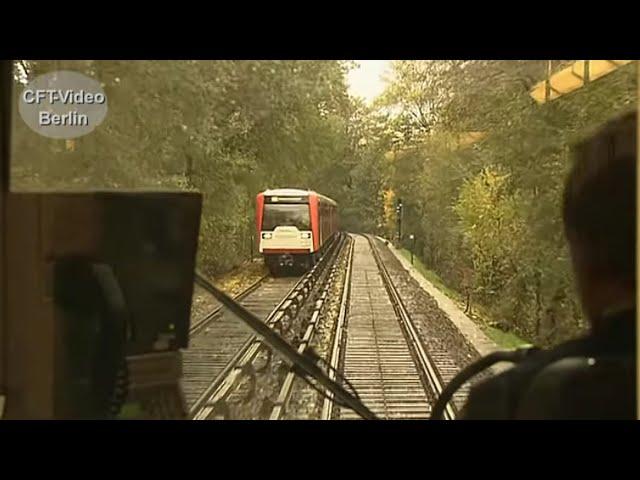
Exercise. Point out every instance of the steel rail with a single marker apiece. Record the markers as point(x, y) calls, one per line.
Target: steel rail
point(286, 389)
point(424, 360)
point(339, 331)
point(198, 325)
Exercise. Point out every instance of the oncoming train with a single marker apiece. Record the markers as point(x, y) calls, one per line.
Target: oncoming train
point(294, 226)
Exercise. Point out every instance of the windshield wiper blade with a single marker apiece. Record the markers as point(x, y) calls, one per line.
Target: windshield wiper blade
point(275, 341)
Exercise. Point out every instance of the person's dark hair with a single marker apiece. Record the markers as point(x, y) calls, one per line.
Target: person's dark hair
point(599, 208)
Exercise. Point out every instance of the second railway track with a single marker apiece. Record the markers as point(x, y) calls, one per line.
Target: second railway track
point(220, 335)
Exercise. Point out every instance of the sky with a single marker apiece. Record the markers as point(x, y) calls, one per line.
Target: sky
point(366, 80)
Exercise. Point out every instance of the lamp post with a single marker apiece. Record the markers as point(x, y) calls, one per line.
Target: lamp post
point(412, 237)
point(399, 212)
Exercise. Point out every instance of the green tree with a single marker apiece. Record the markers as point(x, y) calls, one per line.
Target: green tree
point(488, 211)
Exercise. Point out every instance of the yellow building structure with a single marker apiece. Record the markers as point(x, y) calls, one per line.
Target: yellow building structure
point(573, 77)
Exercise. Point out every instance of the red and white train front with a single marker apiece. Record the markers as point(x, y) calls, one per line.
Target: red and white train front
point(293, 227)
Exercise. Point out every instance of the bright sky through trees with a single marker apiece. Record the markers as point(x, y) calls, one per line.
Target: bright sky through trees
point(367, 81)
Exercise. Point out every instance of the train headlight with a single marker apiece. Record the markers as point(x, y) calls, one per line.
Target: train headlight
point(266, 235)
point(305, 235)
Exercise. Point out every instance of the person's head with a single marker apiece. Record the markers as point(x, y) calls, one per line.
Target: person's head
point(599, 213)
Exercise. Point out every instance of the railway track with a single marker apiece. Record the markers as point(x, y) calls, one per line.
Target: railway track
point(224, 352)
point(202, 322)
point(377, 347)
point(216, 339)
point(375, 344)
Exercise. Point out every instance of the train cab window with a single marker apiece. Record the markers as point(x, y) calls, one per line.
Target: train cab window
point(141, 132)
point(126, 177)
point(296, 215)
point(100, 225)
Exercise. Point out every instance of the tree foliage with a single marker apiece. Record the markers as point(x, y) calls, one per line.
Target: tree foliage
point(487, 211)
point(478, 164)
point(225, 128)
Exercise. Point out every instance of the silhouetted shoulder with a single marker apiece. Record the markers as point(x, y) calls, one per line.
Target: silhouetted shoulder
point(588, 378)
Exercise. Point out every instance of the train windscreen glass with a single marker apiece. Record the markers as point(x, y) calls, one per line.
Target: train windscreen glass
point(296, 215)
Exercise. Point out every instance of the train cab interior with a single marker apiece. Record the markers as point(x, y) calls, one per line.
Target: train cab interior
point(96, 292)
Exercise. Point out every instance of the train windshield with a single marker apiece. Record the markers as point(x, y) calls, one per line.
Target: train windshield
point(296, 215)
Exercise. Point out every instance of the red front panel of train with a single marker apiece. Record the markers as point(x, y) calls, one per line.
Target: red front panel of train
point(259, 212)
point(315, 221)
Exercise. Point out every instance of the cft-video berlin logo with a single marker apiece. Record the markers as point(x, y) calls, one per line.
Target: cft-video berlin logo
point(63, 104)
